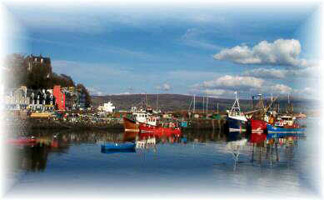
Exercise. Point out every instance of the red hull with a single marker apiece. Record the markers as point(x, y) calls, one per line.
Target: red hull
point(158, 131)
point(258, 131)
point(130, 125)
point(22, 141)
point(258, 126)
point(258, 138)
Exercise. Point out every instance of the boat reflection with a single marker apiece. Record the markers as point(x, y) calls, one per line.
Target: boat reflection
point(33, 150)
point(263, 148)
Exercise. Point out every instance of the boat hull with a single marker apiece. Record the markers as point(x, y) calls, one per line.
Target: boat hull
point(275, 132)
point(130, 125)
point(158, 131)
point(258, 126)
point(118, 147)
point(258, 130)
point(236, 125)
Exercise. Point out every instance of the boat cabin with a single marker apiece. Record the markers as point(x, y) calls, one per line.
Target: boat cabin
point(144, 117)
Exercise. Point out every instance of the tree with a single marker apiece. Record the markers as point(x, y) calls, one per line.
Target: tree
point(16, 70)
point(62, 80)
point(39, 77)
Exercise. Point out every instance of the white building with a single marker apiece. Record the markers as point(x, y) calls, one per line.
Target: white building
point(107, 107)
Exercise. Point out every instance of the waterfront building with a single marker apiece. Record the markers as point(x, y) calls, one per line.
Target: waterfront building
point(60, 97)
point(107, 107)
point(69, 98)
point(17, 99)
point(41, 100)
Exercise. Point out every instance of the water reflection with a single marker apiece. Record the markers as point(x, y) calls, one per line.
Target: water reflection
point(263, 150)
point(34, 149)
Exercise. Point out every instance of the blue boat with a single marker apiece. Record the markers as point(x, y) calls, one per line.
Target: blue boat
point(276, 132)
point(236, 124)
point(118, 147)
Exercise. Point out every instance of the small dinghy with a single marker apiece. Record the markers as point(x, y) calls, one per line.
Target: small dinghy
point(118, 147)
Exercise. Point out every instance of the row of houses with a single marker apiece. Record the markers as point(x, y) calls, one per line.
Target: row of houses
point(58, 98)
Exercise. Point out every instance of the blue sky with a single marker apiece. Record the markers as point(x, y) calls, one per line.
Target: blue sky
point(173, 49)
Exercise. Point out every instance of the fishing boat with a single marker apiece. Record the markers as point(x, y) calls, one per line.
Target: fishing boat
point(118, 147)
point(131, 124)
point(274, 131)
point(258, 126)
point(159, 131)
point(22, 141)
point(259, 119)
point(236, 119)
point(285, 125)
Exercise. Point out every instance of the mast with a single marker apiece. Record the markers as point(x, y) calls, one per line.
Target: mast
point(207, 104)
point(236, 106)
point(203, 98)
point(194, 103)
point(217, 108)
point(157, 101)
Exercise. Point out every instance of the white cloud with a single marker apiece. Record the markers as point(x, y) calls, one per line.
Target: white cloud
point(218, 93)
point(225, 86)
point(194, 38)
point(308, 92)
point(303, 73)
point(95, 91)
point(164, 87)
point(280, 89)
point(267, 73)
point(280, 52)
point(234, 82)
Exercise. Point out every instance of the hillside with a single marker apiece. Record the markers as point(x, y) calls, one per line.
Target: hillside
point(176, 102)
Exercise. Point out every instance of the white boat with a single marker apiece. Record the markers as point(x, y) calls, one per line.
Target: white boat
point(236, 119)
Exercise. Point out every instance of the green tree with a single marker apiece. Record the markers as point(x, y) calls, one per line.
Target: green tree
point(15, 71)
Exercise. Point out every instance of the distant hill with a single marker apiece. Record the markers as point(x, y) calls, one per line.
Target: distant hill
point(177, 102)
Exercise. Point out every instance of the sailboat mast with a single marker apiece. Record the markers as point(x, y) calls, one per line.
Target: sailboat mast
point(157, 101)
point(217, 108)
point(203, 104)
point(194, 103)
point(207, 104)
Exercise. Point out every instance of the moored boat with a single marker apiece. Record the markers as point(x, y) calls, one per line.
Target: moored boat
point(22, 141)
point(258, 126)
point(130, 125)
point(159, 131)
point(274, 131)
point(236, 119)
point(119, 147)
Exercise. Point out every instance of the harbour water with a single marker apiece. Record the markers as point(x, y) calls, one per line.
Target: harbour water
point(71, 164)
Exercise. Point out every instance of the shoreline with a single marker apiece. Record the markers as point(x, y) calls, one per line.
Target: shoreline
point(48, 124)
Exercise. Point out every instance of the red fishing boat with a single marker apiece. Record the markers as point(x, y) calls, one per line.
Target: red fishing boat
point(258, 126)
point(159, 131)
point(130, 125)
point(22, 141)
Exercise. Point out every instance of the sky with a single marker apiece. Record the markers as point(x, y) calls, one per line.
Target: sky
point(210, 50)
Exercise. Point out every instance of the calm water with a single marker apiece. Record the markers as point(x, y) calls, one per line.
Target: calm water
point(72, 164)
